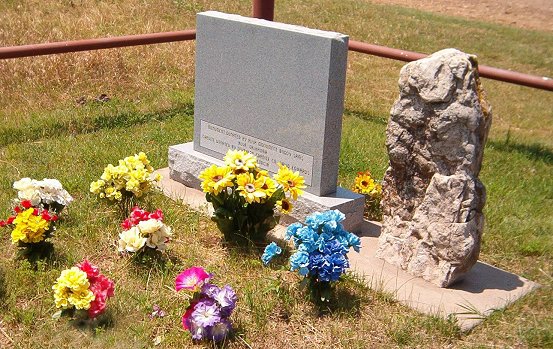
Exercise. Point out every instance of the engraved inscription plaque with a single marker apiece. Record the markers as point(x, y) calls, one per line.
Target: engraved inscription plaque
point(221, 139)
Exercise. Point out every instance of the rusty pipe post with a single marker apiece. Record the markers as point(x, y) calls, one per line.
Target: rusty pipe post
point(264, 9)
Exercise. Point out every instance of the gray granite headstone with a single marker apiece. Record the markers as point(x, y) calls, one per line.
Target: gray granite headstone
point(272, 89)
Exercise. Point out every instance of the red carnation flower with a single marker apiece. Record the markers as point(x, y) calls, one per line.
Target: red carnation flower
point(92, 271)
point(46, 216)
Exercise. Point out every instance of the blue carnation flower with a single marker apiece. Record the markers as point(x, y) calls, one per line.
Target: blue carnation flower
point(326, 270)
point(292, 230)
point(336, 247)
point(299, 260)
point(354, 241)
point(315, 220)
point(270, 251)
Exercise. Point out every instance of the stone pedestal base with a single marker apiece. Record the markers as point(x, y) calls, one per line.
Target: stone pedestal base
point(185, 165)
point(483, 290)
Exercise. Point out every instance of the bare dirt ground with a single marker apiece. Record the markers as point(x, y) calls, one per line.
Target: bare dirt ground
point(527, 14)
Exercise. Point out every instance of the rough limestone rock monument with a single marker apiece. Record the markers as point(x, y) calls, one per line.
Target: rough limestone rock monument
point(432, 197)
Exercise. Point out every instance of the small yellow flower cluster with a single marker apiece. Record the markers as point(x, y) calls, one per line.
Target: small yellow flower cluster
point(72, 289)
point(132, 177)
point(29, 227)
point(241, 175)
point(365, 184)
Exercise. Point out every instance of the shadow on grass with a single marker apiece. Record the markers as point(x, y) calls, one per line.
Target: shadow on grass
point(154, 259)
point(41, 252)
point(109, 119)
point(368, 116)
point(3, 288)
point(534, 151)
point(343, 301)
point(97, 325)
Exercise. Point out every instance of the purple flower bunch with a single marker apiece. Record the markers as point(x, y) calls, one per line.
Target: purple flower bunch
point(207, 315)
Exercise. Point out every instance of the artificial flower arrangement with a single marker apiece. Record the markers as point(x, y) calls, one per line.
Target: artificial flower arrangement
point(127, 182)
point(245, 197)
point(47, 193)
point(31, 227)
point(144, 230)
point(83, 287)
point(372, 190)
point(210, 307)
point(321, 246)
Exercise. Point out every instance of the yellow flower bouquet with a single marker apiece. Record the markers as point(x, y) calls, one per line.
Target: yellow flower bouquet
point(127, 182)
point(372, 190)
point(31, 227)
point(245, 197)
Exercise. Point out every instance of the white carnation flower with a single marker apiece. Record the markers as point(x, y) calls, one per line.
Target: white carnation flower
point(150, 226)
point(131, 240)
point(159, 238)
point(28, 190)
point(51, 191)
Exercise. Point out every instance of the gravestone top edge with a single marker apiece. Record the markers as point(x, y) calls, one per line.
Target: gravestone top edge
point(275, 25)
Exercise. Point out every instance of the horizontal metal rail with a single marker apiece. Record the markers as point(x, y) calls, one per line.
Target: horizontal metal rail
point(95, 44)
point(485, 71)
point(539, 82)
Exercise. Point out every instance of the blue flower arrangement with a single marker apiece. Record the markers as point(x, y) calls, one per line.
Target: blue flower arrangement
point(321, 246)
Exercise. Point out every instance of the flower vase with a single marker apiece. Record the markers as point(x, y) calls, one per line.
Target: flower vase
point(320, 291)
point(244, 225)
point(35, 251)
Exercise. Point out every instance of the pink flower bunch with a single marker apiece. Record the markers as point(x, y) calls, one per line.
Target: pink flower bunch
point(138, 215)
point(208, 313)
point(102, 287)
point(192, 279)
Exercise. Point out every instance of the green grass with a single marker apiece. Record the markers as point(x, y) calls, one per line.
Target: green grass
point(44, 133)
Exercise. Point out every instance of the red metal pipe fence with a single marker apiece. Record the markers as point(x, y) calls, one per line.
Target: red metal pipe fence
point(261, 9)
point(95, 44)
point(485, 71)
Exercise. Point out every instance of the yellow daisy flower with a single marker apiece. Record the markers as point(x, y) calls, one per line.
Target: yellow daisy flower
point(240, 161)
point(250, 188)
point(377, 191)
point(364, 184)
point(215, 179)
point(284, 206)
point(269, 185)
point(291, 181)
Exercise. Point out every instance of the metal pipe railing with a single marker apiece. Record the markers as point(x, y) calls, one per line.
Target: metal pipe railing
point(95, 44)
point(261, 9)
point(540, 82)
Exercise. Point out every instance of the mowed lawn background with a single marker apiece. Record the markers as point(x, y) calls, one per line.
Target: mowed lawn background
point(53, 124)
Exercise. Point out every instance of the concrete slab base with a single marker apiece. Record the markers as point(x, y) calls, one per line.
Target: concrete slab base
point(484, 289)
point(185, 165)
